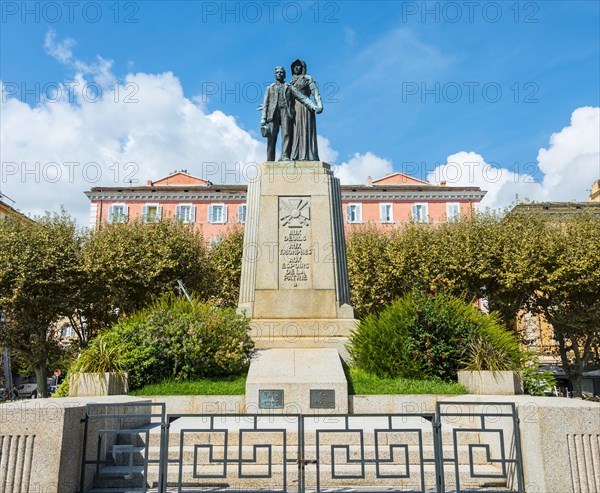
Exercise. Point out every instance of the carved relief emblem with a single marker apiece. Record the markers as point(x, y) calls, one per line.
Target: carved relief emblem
point(294, 212)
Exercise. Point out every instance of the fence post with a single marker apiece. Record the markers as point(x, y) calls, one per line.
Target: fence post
point(438, 451)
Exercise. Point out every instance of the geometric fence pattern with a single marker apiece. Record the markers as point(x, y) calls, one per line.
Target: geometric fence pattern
point(462, 447)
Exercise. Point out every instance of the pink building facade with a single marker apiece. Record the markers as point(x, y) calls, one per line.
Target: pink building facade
point(390, 201)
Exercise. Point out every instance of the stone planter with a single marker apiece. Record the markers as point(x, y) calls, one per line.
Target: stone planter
point(92, 384)
point(490, 382)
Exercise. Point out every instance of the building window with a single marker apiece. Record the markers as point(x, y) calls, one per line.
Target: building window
point(419, 213)
point(217, 213)
point(117, 213)
point(452, 211)
point(242, 213)
point(186, 213)
point(386, 213)
point(151, 213)
point(66, 331)
point(354, 213)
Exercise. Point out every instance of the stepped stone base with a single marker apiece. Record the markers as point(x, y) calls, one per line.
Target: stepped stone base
point(297, 381)
point(303, 333)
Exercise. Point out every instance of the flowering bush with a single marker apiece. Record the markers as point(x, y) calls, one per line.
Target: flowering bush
point(181, 340)
point(428, 335)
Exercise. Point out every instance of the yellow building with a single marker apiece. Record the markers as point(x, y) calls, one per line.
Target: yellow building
point(595, 195)
point(7, 210)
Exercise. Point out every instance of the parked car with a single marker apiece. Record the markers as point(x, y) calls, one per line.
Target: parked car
point(27, 390)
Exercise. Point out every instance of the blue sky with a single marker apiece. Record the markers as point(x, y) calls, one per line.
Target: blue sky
point(403, 83)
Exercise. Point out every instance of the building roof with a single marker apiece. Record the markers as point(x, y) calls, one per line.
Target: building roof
point(183, 186)
point(179, 178)
point(556, 208)
point(399, 179)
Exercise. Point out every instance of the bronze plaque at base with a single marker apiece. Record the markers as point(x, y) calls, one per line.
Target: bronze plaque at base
point(270, 399)
point(322, 399)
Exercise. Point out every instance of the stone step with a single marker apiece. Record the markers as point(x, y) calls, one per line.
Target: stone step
point(121, 457)
point(112, 477)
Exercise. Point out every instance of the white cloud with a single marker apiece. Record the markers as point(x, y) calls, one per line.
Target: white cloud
point(141, 128)
point(360, 166)
point(569, 165)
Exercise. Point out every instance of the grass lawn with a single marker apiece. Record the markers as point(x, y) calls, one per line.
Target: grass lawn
point(359, 382)
point(233, 385)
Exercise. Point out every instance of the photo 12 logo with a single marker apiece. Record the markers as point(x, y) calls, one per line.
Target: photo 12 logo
point(72, 12)
point(55, 92)
point(470, 12)
point(254, 92)
point(68, 171)
point(271, 12)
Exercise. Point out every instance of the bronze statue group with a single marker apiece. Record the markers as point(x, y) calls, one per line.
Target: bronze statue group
point(288, 106)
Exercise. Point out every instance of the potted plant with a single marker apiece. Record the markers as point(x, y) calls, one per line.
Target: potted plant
point(98, 370)
point(490, 364)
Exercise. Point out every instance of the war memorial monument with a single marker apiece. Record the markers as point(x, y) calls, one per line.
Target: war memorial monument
point(294, 282)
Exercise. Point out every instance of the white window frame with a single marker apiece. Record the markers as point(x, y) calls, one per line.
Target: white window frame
point(425, 215)
point(158, 216)
point(383, 212)
point(211, 212)
point(449, 216)
point(191, 219)
point(123, 218)
point(242, 216)
point(357, 215)
point(66, 331)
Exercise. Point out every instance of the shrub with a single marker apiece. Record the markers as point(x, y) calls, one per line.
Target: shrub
point(63, 389)
point(101, 356)
point(432, 335)
point(180, 340)
point(537, 382)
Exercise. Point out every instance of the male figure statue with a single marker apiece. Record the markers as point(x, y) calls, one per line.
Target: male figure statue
point(278, 111)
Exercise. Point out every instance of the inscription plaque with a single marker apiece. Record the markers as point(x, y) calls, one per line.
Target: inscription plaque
point(322, 399)
point(295, 243)
point(270, 399)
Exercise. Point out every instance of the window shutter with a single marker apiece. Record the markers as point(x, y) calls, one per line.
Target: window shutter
point(144, 213)
point(178, 213)
point(211, 217)
point(225, 214)
point(110, 213)
point(158, 212)
point(125, 213)
point(359, 213)
point(382, 213)
point(348, 214)
point(193, 213)
point(415, 213)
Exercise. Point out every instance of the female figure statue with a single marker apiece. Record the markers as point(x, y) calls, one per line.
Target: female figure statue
point(304, 143)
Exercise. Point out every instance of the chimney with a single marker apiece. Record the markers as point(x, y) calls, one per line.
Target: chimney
point(149, 183)
point(369, 181)
point(443, 183)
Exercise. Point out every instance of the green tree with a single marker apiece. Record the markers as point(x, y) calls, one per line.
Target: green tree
point(369, 270)
point(39, 279)
point(226, 262)
point(132, 264)
point(569, 297)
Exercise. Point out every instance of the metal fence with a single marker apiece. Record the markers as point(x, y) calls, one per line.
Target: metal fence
point(463, 446)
